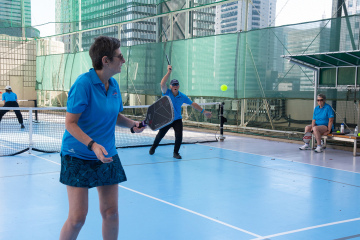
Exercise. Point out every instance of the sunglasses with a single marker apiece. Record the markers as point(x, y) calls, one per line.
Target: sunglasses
point(320, 100)
point(121, 57)
point(175, 84)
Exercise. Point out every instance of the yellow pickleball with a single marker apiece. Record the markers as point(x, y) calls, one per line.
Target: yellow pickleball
point(338, 131)
point(359, 134)
point(223, 87)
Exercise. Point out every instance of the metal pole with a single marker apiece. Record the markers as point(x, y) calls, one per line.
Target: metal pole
point(222, 120)
point(243, 101)
point(30, 131)
point(80, 28)
point(23, 34)
point(171, 16)
point(36, 112)
point(316, 81)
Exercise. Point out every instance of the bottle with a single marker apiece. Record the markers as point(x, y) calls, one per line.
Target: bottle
point(342, 129)
point(356, 131)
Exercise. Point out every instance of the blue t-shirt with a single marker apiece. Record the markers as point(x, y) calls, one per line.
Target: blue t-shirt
point(99, 111)
point(177, 102)
point(322, 115)
point(9, 97)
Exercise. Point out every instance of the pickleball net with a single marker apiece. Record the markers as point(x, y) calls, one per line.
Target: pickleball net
point(44, 129)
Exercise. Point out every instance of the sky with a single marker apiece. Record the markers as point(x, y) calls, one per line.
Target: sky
point(297, 11)
point(287, 11)
point(43, 11)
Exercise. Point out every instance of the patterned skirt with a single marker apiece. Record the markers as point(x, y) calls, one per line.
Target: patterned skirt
point(77, 172)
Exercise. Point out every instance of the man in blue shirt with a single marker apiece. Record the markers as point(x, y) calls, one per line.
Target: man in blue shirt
point(177, 98)
point(322, 122)
point(10, 100)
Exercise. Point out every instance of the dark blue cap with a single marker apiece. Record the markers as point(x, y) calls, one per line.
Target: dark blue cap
point(174, 81)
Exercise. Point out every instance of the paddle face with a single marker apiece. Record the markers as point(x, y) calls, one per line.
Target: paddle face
point(307, 137)
point(160, 113)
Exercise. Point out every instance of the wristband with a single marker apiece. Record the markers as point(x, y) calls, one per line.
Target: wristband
point(90, 145)
point(202, 111)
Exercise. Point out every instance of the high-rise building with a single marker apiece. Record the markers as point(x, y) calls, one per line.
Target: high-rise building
point(76, 15)
point(231, 17)
point(347, 29)
point(11, 21)
point(319, 37)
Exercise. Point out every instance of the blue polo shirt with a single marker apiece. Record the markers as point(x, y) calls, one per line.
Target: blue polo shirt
point(99, 111)
point(322, 115)
point(177, 102)
point(9, 97)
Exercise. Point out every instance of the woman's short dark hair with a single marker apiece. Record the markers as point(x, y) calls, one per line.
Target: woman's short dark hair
point(103, 46)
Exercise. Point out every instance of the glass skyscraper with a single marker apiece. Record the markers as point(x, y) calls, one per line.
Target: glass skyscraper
point(10, 18)
point(231, 17)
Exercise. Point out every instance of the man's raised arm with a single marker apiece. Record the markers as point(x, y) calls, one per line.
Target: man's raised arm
point(165, 78)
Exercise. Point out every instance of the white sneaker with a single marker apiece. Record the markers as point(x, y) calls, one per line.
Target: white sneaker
point(318, 149)
point(305, 147)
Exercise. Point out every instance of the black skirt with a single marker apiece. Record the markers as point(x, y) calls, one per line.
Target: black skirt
point(77, 172)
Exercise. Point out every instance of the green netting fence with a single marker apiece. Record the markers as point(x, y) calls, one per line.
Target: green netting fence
point(264, 89)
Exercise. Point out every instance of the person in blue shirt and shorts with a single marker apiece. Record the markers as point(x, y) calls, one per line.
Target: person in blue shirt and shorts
point(322, 122)
point(10, 100)
point(177, 99)
point(88, 154)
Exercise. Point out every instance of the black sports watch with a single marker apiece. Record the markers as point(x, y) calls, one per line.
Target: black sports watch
point(90, 145)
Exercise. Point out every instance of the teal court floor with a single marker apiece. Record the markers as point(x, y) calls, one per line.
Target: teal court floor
point(240, 189)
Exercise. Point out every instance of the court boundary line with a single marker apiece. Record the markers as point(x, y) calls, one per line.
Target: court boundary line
point(193, 212)
point(292, 172)
point(174, 205)
point(45, 159)
point(307, 228)
point(280, 158)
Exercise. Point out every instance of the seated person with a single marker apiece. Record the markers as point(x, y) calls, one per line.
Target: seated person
point(322, 122)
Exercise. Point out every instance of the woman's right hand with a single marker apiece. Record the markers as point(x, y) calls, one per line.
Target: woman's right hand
point(100, 153)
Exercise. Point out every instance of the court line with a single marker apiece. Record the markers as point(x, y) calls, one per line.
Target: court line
point(288, 160)
point(307, 228)
point(290, 172)
point(171, 204)
point(349, 237)
point(193, 212)
point(45, 159)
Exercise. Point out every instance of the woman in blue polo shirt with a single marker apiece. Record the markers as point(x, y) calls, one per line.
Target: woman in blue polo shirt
point(88, 154)
point(177, 99)
point(322, 122)
point(10, 100)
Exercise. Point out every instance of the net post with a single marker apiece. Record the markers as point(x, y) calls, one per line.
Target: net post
point(36, 112)
point(30, 130)
point(222, 121)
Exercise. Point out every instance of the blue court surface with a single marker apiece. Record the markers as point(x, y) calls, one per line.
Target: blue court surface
point(243, 188)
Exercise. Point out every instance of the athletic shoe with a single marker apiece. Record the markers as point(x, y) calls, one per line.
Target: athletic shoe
point(177, 156)
point(305, 147)
point(318, 149)
point(151, 151)
point(22, 126)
